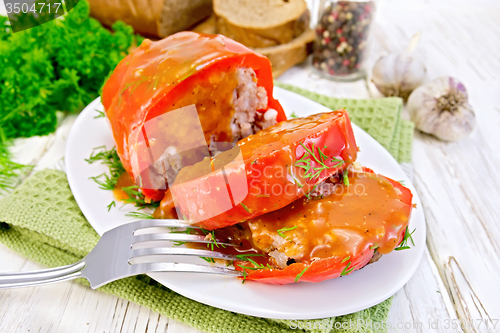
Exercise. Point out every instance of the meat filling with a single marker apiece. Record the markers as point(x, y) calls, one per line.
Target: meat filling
point(340, 221)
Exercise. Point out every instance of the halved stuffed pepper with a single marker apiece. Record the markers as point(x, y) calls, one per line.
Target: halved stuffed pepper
point(265, 171)
point(349, 221)
point(221, 92)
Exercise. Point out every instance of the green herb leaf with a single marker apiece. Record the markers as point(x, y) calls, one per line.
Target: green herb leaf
point(345, 271)
point(112, 204)
point(297, 278)
point(346, 177)
point(245, 208)
point(100, 114)
point(207, 259)
point(404, 243)
point(140, 215)
point(282, 230)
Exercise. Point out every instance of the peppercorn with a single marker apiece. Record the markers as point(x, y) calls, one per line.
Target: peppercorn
point(341, 37)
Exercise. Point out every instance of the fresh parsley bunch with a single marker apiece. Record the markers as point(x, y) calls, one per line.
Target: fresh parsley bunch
point(57, 66)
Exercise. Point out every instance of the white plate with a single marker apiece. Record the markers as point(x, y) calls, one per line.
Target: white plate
point(360, 290)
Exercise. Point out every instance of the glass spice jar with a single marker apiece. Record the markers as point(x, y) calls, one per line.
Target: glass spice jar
point(342, 38)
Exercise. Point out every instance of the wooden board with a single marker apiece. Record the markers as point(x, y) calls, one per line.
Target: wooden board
point(458, 279)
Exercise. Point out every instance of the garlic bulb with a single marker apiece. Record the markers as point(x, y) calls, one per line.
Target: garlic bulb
point(398, 74)
point(441, 108)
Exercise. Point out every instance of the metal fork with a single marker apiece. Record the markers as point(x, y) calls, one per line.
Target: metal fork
point(113, 257)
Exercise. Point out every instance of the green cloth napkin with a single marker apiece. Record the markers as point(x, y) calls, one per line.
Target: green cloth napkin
point(42, 221)
point(381, 118)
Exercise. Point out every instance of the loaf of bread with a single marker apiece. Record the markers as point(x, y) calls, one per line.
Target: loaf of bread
point(152, 17)
point(284, 56)
point(261, 23)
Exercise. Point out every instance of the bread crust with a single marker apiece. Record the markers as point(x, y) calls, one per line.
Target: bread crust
point(284, 56)
point(152, 17)
point(271, 13)
point(143, 15)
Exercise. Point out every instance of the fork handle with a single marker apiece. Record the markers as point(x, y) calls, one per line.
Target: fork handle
point(41, 277)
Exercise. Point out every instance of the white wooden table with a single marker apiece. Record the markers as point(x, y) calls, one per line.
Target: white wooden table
point(459, 276)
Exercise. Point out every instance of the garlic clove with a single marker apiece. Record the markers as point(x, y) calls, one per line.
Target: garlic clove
point(441, 108)
point(398, 74)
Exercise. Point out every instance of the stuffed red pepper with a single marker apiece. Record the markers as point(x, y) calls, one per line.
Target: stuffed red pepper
point(229, 87)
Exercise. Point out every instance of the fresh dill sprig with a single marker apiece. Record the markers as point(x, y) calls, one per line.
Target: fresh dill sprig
point(346, 269)
point(308, 195)
point(109, 180)
point(402, 182)
point(207, 259)
point(293, 115)
point(100, 114)
point(110, 159)
point(305, 162)
point(345, 178)
point(245, 207)
point(297, 278)
point(189, 231)
point(404, 243)
point(140, 215)
point(213, 243)
point(10, 171)
point(244, 257)
point(282, 230)
point(345, 259)
point(244, 276)
point(112, 204)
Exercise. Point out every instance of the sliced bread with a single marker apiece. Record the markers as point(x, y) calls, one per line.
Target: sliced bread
point(261, 23)
point(284, 56)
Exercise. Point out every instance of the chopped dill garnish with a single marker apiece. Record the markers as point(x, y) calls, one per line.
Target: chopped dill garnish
point(404, 243)
point(245, 207)
point(213, 240)
point(100, 114)
point(282, 230)
point(207, 259)
point(346, 271)
point(10, 171)
point(297, 278)
point(305, 162)
point(244, 277)
point(346, 177)
point(374, 247)
point(262, 196)
point(345, 259)
point(293, 115)
point(251, 268)
point(112, 204)
point(109, 180)
point(110, 159)
point(402, 182)
point(308, 195)
point(140, 215)
point(244, 257)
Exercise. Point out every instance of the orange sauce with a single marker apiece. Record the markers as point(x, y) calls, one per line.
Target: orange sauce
point(367, 213)
point(124, 181)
